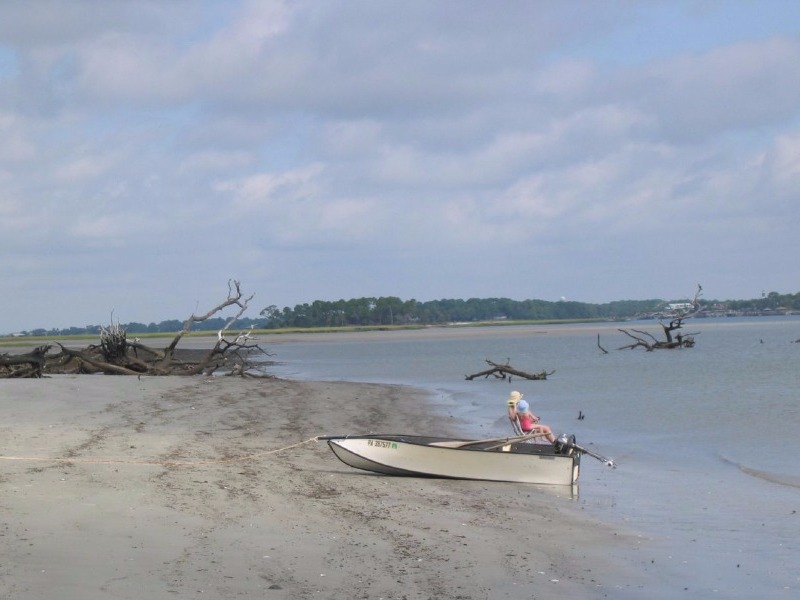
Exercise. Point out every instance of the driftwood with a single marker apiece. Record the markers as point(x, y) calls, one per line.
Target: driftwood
point(650, 343)
point(506, 371)
point(29, 365)
point(647, 341)
point(117, 355)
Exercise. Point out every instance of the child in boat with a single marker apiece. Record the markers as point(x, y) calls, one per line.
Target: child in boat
point(518, 409)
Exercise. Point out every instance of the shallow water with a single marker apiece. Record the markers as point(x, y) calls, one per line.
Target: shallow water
point(706, 438)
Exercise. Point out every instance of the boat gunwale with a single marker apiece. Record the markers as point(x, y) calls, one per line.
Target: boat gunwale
point(365, 462)
point(514, 444)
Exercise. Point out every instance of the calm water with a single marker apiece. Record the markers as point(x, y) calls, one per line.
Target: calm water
point(706, 438)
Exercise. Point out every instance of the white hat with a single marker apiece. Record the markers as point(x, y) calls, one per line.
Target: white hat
point(514, 398)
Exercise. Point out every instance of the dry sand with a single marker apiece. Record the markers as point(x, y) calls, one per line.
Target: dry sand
point(186, 488)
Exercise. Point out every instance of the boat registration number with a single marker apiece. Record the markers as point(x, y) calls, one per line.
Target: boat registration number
point(381, 444)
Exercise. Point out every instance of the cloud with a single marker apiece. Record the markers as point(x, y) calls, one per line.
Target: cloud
point(732, 88)
point(411, 148)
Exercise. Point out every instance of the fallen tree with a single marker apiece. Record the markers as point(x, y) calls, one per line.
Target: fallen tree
point(117, 355)
point(31, 364)
point(506, 371)
point(649, 342)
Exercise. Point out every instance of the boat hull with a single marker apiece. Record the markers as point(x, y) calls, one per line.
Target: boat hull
point(421, 457)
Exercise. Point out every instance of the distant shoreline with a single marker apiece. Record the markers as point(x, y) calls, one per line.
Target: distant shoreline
point(206, 339)
point(13, 339)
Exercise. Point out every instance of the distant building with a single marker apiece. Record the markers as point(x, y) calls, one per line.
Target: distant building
point(680, 306)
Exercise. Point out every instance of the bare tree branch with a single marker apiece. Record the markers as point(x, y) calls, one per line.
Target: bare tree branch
point(507, 371)
point(676, 323)
point(116, 355)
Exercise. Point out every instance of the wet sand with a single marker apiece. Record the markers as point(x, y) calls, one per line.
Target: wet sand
point(128, 488)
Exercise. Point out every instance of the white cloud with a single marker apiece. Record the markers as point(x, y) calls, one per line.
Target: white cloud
point(272, 190)
point(297, 207)
point(338, 145)
point(83, 168)
point(783, 166)
point(745, 85)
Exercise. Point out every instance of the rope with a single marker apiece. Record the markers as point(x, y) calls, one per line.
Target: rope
point(158, 463)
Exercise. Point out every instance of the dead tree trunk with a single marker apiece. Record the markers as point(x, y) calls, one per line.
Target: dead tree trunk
point(680, 340)
point(29, 365)
point(117, 355)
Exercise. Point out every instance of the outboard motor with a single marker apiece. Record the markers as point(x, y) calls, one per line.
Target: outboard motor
point(565, 444)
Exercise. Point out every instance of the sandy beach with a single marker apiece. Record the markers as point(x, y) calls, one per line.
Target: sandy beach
point(128, 488)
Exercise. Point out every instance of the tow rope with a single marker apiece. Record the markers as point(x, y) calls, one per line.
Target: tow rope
point(155, 463)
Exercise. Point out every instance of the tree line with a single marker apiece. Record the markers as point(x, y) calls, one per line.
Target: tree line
point(391, 310)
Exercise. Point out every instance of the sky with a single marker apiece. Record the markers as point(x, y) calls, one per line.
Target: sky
point(152, 151)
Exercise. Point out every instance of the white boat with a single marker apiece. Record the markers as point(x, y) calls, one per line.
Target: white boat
point(512, 459)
